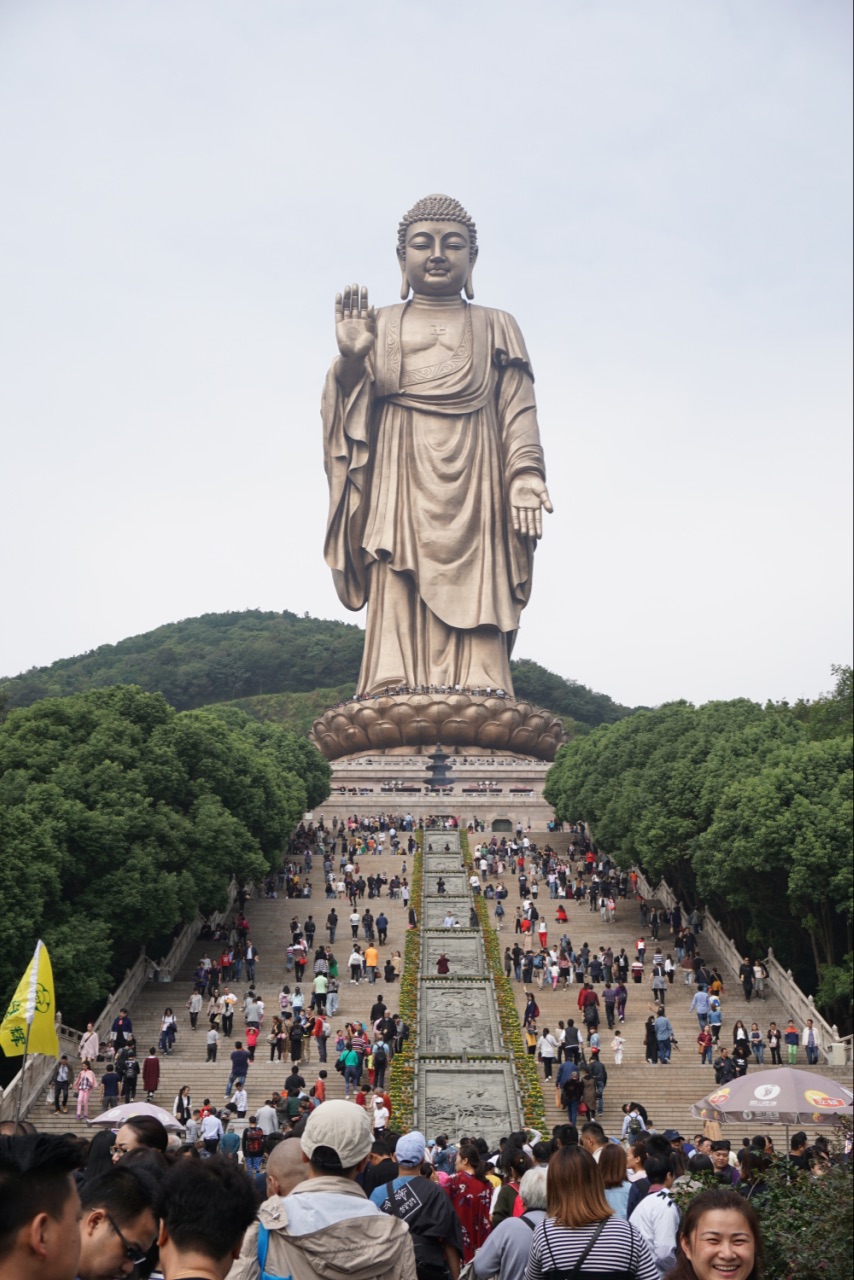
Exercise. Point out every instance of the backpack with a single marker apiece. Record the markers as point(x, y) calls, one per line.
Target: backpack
point(379, 1055)
point(263, 1246)
point(635, 1127)
point(254, 1142)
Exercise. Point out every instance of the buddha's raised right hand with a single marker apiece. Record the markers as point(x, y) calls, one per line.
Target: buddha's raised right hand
point(355, 324)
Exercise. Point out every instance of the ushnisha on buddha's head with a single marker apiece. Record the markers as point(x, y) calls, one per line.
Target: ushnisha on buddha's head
point(437, 249)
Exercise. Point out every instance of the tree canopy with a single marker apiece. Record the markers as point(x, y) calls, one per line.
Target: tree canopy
point(120, 818)
point(746, 808)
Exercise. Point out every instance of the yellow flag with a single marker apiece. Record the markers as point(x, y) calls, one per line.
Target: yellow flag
point(33, 1005)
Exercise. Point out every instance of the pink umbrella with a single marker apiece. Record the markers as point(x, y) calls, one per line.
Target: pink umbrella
point(782, 1095)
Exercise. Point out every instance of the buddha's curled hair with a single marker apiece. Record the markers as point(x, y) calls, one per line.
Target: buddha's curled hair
point(436, 208)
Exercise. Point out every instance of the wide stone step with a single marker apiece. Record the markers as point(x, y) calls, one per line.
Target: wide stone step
point(667, 1091)
point(270, 931)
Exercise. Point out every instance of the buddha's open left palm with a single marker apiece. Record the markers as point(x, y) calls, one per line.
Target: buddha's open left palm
point(355, 323)
point(528, 498)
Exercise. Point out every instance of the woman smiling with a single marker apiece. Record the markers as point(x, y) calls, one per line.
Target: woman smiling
point(719, 1239)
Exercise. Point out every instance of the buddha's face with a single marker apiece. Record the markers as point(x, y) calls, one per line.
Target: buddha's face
point(436, 260)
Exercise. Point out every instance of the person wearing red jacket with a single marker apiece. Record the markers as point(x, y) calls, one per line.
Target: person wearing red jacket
point(151, 1073)
point(587, 996)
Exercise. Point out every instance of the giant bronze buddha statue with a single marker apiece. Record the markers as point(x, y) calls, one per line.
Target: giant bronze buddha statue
point(435, 468)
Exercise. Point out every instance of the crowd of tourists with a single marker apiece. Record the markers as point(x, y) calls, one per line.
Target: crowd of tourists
point(542, 956)
point(407, 690)
point(333, 1189)
point(304, 1186)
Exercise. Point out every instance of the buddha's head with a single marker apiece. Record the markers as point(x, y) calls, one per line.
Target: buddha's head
point(437, 248)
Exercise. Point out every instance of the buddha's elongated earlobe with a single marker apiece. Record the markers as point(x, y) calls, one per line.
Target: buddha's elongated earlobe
point(404, 283)
point(468, 287)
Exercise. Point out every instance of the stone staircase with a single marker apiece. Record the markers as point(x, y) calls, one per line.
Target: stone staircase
point(269, 921)
point(458, 1015)
point(667, 1092)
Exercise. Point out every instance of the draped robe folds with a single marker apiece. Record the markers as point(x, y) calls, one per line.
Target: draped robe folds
point(419, 464)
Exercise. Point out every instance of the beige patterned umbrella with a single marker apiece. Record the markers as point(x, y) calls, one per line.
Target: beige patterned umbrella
point(781, 1095)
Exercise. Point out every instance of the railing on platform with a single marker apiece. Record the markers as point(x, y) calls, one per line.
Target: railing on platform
point(37, 1074)
point(39, 1067)
point(836, 1049)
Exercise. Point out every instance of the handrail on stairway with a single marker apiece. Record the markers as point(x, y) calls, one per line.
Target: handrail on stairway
point(836, 1049)
point(39, 1067)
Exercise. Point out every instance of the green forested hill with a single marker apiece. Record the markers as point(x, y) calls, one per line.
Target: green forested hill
point(214, 658)
point(224, 657)
point(295, 712)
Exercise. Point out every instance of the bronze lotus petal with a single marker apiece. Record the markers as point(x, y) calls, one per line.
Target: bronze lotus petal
point(423, 720)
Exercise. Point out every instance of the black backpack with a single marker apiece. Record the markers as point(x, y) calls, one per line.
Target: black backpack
point(379, 1055)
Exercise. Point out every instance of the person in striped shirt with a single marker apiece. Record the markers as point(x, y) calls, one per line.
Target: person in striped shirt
point(580, 1230)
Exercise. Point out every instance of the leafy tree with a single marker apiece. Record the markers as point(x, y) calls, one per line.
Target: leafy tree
point(831, 715)
point(294, 754)
point(778, 852)
point(120, 818)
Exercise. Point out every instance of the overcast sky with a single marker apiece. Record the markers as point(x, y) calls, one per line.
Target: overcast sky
point(663, 199)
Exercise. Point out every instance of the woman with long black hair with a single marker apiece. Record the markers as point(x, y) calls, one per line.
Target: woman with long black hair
point(471, 1195)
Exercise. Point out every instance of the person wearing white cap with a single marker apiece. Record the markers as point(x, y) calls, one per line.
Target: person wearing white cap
point(427, 1211)
point(326, 1228)
point(381, 1115)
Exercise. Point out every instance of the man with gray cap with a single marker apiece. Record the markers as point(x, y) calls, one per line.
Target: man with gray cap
point(326, 1228)
point(427, 1211)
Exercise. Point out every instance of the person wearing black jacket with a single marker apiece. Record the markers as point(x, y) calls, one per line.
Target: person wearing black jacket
point(426, 1209)
point(745, 977)
point(599, 1072)
point(378, 1010)
point(380, 1169)
point(650, 1040)
point(294, 1080)
point(724, 1068)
